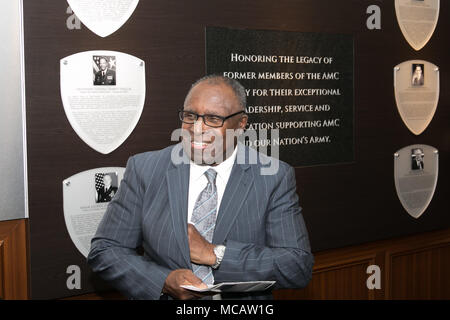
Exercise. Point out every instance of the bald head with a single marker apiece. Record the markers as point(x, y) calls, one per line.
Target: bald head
point(235, 86)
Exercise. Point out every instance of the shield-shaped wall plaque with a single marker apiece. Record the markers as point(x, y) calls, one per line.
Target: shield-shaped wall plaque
point(416, 86)
point(85, 197)
point(103, 94)
point(103, 17)
point(415, 175)
point(417, 20)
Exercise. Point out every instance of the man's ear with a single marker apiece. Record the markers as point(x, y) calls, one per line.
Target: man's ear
point(243, 121)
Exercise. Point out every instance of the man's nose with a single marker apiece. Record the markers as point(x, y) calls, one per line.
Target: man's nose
point(199, 126)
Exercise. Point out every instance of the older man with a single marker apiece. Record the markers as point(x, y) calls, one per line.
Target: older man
point(209, 219)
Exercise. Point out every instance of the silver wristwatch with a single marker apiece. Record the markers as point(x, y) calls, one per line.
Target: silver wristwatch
point(219, 251)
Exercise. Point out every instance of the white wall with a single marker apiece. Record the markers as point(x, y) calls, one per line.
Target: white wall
point(12, 182)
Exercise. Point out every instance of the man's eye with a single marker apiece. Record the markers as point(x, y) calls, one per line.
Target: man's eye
point(189, 116)
point(213, 119)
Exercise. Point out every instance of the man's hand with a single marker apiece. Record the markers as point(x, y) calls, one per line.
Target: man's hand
point(182, 277)
point(202, 252)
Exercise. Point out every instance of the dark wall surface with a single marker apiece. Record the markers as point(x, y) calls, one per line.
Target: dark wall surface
point(342, 204)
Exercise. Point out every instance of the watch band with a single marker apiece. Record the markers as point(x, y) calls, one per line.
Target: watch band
point(219, 251)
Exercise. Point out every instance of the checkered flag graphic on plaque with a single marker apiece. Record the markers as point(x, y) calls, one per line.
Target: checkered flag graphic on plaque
point(99, 181)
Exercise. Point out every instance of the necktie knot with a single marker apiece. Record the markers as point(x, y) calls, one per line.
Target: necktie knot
point(211, 176)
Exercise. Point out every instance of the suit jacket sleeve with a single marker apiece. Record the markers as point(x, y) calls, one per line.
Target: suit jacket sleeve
point(286, 257)
point(113, 249)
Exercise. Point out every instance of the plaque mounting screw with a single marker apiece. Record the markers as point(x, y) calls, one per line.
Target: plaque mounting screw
point(397, 68)
point(436, 152)
point(67, 183)
point(65, 62)
point(396, 155)
point(436, 69)
point(141, 64)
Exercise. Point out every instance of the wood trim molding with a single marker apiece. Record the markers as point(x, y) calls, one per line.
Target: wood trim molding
point(342, 263)
point(13, 260)
point(2, 274)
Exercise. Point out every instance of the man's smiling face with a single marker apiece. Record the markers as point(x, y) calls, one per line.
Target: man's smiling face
point(212, 98)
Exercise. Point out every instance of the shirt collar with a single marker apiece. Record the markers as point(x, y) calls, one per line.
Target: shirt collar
point(223, 169)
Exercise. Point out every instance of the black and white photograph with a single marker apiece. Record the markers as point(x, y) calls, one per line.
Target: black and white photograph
point(106, 185)
point(417, 159)
point(104, 70)
point(418, 74)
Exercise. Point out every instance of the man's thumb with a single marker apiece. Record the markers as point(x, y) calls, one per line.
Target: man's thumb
point(195, 280)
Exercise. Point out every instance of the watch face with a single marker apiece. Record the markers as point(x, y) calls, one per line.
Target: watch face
point(219, 251)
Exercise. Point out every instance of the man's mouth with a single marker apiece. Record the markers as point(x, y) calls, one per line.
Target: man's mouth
point(200, 145)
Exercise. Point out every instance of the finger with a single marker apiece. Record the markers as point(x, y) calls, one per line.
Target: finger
point(202, 285)
point(194, 280)
point(192, 228)
point(191, 231)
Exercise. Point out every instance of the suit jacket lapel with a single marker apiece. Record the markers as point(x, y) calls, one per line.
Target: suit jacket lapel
point(178, 185)
point(236, 192)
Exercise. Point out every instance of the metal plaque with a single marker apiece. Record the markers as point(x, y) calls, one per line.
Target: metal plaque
point(103, 94)
point(416, 86)
point(86, 196)
point(417, 20)
point(103, 17)
point(416, 174)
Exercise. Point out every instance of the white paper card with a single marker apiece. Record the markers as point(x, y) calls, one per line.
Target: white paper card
point(247, 286)
point(103, 94)
point(103, 17)
point(85, 197)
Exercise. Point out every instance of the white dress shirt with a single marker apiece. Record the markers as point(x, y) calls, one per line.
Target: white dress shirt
point(198, 181)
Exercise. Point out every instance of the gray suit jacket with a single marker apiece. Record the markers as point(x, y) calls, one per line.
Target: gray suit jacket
point(259, 221)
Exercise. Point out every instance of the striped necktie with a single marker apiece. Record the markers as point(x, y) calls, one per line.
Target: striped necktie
point(204, 219)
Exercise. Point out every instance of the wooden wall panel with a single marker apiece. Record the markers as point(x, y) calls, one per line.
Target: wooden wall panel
point(416, 267)
point(342, 280)
point(420, 274)
point(2, 271)
point(13, 260)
